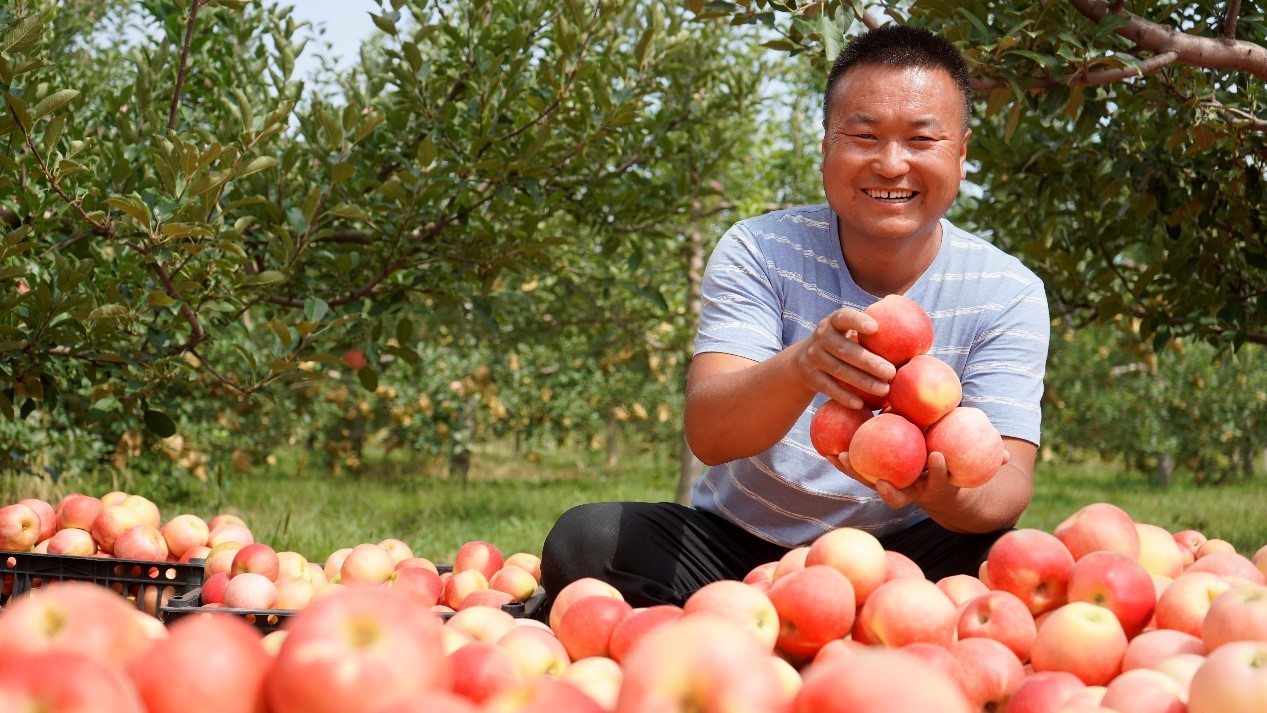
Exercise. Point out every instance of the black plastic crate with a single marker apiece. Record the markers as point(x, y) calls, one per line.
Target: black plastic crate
point(136, 580)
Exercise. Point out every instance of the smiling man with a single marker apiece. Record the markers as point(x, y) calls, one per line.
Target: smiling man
point(784, 295)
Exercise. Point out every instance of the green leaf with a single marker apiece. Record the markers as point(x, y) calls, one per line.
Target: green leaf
point(315, 309)
point(184, 230)
point(19, 112)
point(832, 37)
point(159, 423)
point(348, 210)
point(267, 277)
point(23, 34)
point(53, 102)
point(244, 108)
point(426, 153)
point(1111, 22)
point(368, 376)
point(341, 171)
point(159, 299)
point(256, 165)
point(133, 206)
point(108, 311)
point(384, 23)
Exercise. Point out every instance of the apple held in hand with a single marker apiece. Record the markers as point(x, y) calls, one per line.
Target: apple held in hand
point(972, 446)
point(924, 390)
point(833, 425)
point(888, 447)
point(905, 329)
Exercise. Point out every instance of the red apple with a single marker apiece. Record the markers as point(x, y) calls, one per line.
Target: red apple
point(791, 561)
point(527, 561)
point(355, 359)
point(1185, 602)
point(1189, 541)
point(145, 509)
point(113, 521)
point(485, 598)
point(65, 682)
point(855, 553)
point(481, 670)
point(700, 663)
point(743, 603)
point(878, 681)
point(460, 585)
point(78, 510)
point(902, 611)
point(213, 588)
point(1156, 645)
point(635, 626)
point(575, 590)
point(905, 329)
point(924, 390)
point(899, 566)
point(1099, 526)
point(1228, 564)
point(962, 588)
point(206, 664)
point(294, 593)
point(1117, 582)
point(988, 671)
point(1083, 639)
point(357, 649)
point(586, 628)
point(478, 555)
point(141, 542)
point(762, 576)
point(73, 616)
point(599, 678)
point(1158, 551)
point(1233, 678)
point(419, 582)
point(1143, 690)
point(369, 563)
point(250, 590)
point(72, 541)
point(185, 532)
point(833, 425)
point(1239, 614)
point(46, 513)
point(1001, 616)
point(516, 581)
point(813, 606)
point(971, 445)
point(1044, 692)
point(888, 447)
point(1032, 564)
point(537, 652)
point(230, 532)
point(482, 623)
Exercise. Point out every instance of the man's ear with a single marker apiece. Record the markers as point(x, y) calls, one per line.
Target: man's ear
point(963, 155)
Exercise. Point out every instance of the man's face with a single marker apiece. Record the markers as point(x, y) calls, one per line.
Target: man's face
point(893, 151)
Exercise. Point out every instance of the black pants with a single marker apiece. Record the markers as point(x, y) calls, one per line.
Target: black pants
point(659, 553)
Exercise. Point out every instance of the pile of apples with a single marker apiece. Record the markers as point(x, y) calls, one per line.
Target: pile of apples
point(921, 413)
point(241, 573)
point(1102, 614)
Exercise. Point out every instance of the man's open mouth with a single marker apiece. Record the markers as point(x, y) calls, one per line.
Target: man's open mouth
point(890, 196)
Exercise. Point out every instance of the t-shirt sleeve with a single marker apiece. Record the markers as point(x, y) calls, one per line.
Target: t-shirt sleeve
point(1004, 372)
point(740, 312)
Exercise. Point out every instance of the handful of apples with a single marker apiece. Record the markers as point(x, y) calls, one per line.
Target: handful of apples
point(921, 414)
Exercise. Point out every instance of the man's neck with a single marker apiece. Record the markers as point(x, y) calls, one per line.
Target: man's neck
point(889, 268)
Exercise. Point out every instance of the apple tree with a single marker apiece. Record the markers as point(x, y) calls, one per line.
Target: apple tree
point(191, 234)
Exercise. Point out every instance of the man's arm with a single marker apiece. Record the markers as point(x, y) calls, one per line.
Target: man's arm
point(737, 407)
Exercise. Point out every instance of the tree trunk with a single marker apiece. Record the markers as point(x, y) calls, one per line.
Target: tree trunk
point(689, 469)
point(1165, 470)
point(613, 433)
point(689, 472)
point(460, 457)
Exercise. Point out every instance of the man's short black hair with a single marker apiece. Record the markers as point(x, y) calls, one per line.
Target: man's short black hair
point(897, 45)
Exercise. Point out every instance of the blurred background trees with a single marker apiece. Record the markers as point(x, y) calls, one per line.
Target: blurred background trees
point(491, 229)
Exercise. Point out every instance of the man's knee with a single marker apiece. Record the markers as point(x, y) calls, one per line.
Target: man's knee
point(581, 543)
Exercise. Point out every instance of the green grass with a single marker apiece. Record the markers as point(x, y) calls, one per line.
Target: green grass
point(512, 502)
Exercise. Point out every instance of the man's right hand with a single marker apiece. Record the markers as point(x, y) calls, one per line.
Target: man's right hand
point(832, 362)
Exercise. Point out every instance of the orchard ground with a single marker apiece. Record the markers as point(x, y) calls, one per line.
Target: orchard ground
point(512, 502)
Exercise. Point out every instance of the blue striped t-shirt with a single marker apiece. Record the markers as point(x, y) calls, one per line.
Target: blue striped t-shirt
point(769, 282)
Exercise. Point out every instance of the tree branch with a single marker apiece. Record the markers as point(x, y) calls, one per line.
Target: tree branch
point(1087, 79)
point(1208, 52)
point(1229, 22)
point(184, 63)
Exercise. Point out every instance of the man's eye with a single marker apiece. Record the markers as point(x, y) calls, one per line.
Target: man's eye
point(923, 138)
point(867, 137)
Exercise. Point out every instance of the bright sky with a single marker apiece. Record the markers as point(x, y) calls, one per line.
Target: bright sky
point(347, 23)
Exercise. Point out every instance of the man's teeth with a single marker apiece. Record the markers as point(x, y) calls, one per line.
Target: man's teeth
point(892, 195)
